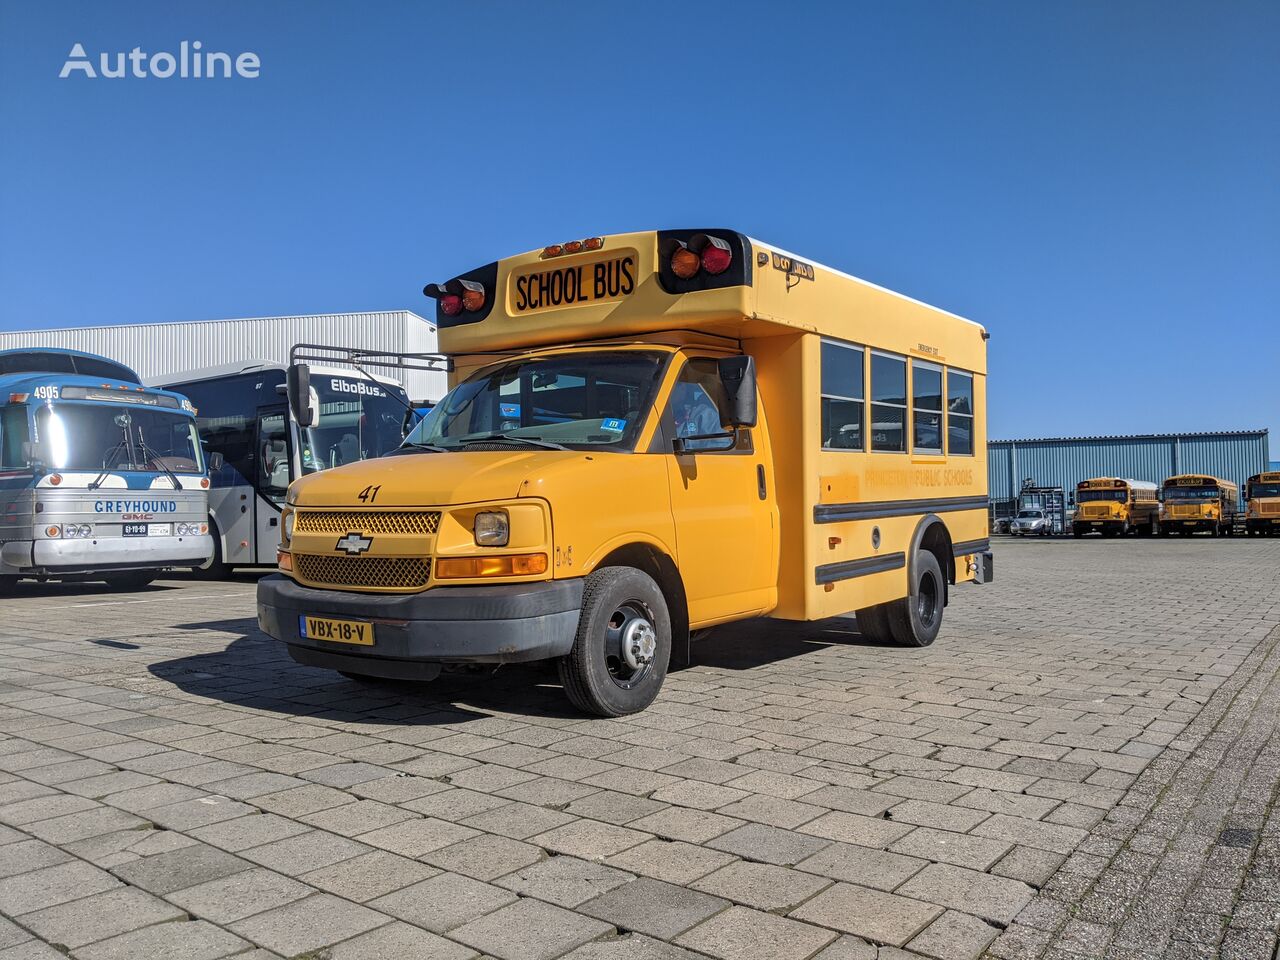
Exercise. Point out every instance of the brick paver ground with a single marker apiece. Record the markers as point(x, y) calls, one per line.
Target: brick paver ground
point(1083, 765)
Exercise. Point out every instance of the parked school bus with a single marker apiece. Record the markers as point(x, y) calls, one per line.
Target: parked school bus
point(1195, 502)
point(1262, 499)
point(648, 434)
point(1115, 507)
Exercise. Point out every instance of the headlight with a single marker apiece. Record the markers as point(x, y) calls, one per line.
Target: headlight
point(492, 529)
point(289, 519)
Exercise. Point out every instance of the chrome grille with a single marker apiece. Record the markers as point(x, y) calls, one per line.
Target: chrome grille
point(421, 522)
point(388, 573)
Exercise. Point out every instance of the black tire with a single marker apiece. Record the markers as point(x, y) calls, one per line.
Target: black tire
point(915, 620)
point(1076, 531)
point(130, 579)
point(8, 585)
point(215, 569)
point(1124, 529)
point(1164, 531)
point(873, 623)
point(619, 605)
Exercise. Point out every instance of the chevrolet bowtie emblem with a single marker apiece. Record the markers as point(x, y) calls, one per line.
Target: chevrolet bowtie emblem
point(354, 544)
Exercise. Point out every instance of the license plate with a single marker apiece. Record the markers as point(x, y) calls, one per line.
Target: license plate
point(546, 285)
point(159, 529)
point(336, 631)
point(134, 530)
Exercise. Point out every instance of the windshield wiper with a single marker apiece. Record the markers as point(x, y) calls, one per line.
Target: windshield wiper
point(156, 459)
point(405, 448)
point(511, 438)
point(108, 462)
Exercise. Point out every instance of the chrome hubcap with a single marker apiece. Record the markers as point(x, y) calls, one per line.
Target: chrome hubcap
point(630, 643)
point(638, 643)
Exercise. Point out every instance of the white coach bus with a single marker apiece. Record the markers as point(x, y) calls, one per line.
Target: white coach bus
point(242, 413)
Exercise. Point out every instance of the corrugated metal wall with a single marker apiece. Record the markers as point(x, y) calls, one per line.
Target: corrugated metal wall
point(157, 349)
point(1065, 462)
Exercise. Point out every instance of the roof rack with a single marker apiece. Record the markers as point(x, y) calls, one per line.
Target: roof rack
point(356, 357)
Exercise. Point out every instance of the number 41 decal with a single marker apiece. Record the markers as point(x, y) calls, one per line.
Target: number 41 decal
point(368, 494)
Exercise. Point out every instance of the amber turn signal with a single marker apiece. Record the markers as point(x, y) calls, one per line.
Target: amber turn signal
point(508, 565)
point(284, 560)
point(684, 262)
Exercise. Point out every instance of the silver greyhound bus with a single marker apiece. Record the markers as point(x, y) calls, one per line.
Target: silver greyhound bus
point(101, 478)
point(244, 416)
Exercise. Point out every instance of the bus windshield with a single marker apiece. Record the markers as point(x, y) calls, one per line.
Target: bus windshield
point(579, 400)
point(356, 420)
point(1264, 489)
point(1190, 493)
point(1084, 496)
point(75, 436)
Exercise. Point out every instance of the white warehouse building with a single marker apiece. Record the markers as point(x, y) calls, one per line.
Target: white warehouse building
point(155, 350)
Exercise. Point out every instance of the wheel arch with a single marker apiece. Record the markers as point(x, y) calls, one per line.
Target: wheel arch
point(932, 535)
point(658, 564)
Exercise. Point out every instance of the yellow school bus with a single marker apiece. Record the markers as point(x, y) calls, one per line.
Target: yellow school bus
point(1194, 502)
point(1115, 507)
point(1262, 504)
point(647, 435)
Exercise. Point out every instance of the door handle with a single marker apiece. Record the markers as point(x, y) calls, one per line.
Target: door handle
point(760, 484)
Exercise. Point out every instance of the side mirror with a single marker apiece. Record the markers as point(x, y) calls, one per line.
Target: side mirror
point(33, 453)
point(408, 423)
point(298, 386)
point(216, 461)
point(738, 377)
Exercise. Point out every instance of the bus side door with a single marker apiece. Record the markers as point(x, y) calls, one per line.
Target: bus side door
point(272, 466)
point(722, 503)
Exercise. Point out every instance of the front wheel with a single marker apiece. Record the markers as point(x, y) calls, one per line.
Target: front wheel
point(215, 568)
point(623, 644)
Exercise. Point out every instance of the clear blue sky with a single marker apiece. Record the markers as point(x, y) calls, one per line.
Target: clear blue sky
point(1075, 176)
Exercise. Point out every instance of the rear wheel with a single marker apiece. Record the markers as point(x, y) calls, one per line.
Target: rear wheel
point(915, 620)
point(873, 623)
point(130, 579)
point(623, 644)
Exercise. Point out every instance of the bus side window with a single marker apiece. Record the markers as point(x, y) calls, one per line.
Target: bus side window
point(959, 413)
point(696, 409)
point(888, 402)
point(843, 395)
point(926, 407)
point(13, 434)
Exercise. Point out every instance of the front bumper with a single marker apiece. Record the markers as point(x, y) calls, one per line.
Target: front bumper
point(414, 633)
point(91, 555)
